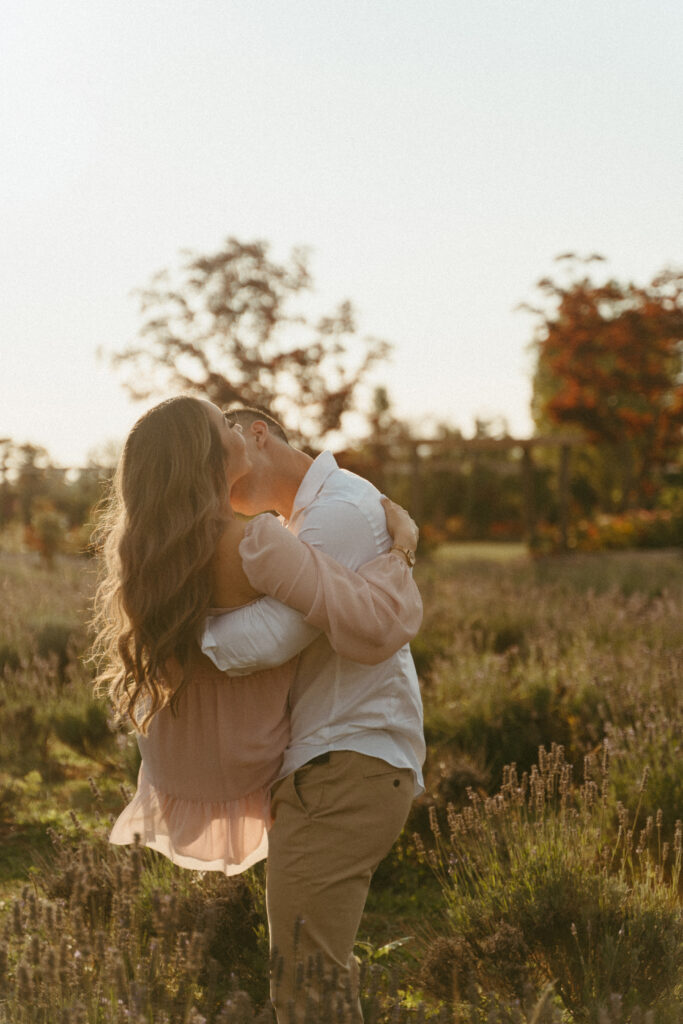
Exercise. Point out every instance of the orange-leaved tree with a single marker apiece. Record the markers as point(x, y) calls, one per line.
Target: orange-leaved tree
point(609, 362)
point(230, 325)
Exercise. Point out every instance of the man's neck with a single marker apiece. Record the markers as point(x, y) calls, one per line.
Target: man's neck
point(292, 468)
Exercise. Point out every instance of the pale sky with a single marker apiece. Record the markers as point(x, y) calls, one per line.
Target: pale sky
point(436, 155)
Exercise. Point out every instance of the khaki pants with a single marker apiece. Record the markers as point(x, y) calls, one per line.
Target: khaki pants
point(334, 822)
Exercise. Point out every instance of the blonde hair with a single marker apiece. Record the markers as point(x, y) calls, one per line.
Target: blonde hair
point(157, 536)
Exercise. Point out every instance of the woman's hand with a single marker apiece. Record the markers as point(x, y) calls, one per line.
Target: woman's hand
point(403, 530)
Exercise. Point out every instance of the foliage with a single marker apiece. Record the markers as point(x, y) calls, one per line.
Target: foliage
point(29, 463)
point(225, 326)
point(52, 503)
point(41, 635)
point(85, 727)
point(512, 654)
point(25, 736)
point(609, 361)
point(641, 743)
point(101, 947)
point(49, 530)
point(520, 654)
point(113, 935)
point(458, 490)
point(54, 642)
point(537, 889)
point(109, 935)
point(636, 528)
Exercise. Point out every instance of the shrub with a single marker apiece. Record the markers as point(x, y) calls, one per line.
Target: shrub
point(653, 742)
point(49, 530)
point(561, 649)
point(551, 651)
point(532, 878)
point(23, 738)
point(636, 528)
point(8, 798)
point(9, 658)
point(85, 728)
point(124, 930)
point(54, 641)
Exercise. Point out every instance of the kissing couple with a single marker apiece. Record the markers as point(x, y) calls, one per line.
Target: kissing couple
point(265, 667)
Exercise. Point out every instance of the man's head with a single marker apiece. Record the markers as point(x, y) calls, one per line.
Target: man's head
point(246, 415)
point(276, 468)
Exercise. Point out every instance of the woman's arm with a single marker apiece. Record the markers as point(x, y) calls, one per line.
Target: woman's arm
point(367, 615)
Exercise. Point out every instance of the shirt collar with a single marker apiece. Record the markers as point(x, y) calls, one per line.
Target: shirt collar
point(315, 477)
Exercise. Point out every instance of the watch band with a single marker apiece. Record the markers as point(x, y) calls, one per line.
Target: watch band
point(407, 554)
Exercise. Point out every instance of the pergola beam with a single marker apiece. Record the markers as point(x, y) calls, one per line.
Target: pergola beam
point(442, 447)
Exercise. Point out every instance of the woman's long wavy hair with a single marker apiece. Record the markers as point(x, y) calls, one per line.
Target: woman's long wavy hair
point(157, 536)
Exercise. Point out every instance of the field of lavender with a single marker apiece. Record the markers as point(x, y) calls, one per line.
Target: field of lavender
point(538, 879)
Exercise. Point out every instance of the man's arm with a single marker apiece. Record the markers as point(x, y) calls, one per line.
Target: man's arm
point(260, 635)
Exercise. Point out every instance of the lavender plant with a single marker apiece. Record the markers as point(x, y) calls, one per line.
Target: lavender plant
point(538, 889)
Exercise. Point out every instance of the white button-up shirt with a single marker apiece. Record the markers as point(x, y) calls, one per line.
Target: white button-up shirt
point(336, 704)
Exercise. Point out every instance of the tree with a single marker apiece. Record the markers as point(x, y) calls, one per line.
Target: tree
point(49, 529)
point(7, 493)
point(609, 363)
point(31, 477)
point(224, 325)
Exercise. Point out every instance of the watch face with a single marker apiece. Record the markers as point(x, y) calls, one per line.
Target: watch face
point(410, 556)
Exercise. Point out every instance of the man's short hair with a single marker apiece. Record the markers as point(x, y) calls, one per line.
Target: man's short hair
point(247, 414)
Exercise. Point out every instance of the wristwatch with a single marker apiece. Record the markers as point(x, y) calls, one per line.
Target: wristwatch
point(407, 554)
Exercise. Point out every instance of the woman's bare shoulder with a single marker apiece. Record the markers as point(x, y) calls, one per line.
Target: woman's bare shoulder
point(231, 588)
point(232, 534)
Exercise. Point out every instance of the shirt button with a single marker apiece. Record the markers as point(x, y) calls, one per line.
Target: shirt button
point(397, 782)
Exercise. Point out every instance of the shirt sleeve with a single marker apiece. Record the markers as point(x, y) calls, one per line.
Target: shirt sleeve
point(258, 636)
point(367, 615)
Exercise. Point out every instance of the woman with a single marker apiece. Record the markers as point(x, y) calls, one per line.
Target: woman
point(212, 745)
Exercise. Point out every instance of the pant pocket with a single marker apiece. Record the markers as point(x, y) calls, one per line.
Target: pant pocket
point(375, 768)
point(308, 785)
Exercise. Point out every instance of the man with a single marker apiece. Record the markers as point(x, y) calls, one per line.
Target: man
point(353, 765)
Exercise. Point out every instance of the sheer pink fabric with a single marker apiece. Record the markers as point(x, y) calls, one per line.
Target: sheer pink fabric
point(203, 794)
point(203, 788)
point(367, 615)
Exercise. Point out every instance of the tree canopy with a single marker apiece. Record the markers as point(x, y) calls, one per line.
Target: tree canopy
point(226, 325)
point(609, 362)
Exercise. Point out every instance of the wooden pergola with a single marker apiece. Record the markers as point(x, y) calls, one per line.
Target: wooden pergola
point(445, 461)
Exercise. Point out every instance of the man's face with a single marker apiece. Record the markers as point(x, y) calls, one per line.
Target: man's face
point(250, 493)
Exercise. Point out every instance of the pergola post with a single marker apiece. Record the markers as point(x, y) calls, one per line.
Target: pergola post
point(563, 494)
point(528, 492)
point(415, 489)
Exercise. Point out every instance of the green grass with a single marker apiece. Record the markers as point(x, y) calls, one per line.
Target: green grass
point(480, 550)
point(514, 653)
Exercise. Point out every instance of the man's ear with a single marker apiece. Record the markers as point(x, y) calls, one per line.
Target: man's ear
point(260, 433)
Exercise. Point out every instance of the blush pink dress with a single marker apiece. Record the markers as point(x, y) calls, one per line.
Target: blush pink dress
point(203, 793)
